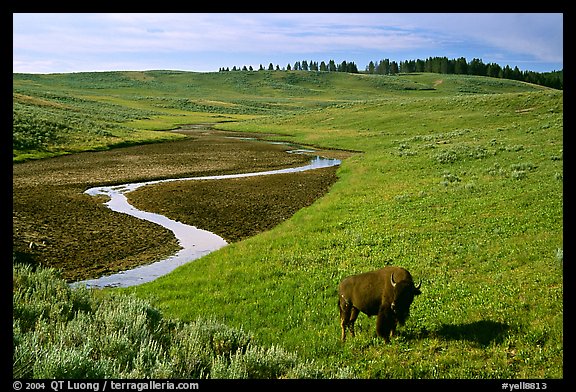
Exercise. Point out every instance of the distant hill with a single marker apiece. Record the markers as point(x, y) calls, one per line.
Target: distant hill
point(61, 113)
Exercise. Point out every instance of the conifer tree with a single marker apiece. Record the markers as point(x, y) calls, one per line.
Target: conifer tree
point(331, 66)
point(371, 67)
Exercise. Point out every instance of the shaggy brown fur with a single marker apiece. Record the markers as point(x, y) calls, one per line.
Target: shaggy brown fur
point(386, 293)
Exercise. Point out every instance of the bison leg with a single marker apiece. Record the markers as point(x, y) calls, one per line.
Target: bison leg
point(393, 328)
point(345, 312)
point(384, 324)
point(353, 316)
point(348, 315)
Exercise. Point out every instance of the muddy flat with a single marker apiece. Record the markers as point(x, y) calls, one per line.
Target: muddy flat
point(55, 224)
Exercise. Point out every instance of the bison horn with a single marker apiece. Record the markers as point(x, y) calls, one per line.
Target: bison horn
point(392, 280)
point(418, 286)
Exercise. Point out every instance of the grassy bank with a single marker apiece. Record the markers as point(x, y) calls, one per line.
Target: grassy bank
point(460, 180)
point(463, 190)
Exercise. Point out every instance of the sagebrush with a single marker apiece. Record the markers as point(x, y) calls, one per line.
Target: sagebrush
point(65, 333)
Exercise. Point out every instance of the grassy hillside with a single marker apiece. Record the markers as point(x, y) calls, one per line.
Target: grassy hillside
point(62, 113)
point(464, 191)
point(460, 180)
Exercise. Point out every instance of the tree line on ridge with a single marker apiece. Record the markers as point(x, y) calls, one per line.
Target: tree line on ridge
point(442, 65)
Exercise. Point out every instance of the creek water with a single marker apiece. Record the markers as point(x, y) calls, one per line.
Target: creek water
point(195, 242)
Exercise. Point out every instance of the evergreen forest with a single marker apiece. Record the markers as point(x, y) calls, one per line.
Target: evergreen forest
point(442, 65)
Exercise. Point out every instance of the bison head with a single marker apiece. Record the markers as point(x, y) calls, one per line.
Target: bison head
point(404, 292)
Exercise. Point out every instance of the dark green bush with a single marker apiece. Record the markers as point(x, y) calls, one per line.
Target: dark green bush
point(61, 332)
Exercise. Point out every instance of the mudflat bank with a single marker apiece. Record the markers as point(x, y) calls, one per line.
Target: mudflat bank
point(55, 224)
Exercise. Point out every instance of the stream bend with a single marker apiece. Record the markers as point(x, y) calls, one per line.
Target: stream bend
point(195, 242)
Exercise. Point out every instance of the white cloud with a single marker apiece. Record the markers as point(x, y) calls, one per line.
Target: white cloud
point(49, 37)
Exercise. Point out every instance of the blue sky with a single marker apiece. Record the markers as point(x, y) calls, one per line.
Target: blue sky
point(68, 42)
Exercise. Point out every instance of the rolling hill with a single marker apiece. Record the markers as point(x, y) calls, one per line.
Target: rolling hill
point(458, 179)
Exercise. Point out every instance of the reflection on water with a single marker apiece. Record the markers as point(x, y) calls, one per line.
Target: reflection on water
point(195, 242)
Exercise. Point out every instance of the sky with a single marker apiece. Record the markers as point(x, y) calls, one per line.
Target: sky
point(78, 42)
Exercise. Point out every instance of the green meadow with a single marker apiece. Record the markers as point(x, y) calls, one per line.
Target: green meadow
point(457, 178)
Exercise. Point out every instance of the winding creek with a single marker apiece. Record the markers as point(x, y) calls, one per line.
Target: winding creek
point(195, 242)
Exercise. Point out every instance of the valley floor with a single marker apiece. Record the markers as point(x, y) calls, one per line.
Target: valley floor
point(54, 221)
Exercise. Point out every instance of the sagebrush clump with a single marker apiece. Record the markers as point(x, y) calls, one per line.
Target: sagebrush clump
point(60, 332)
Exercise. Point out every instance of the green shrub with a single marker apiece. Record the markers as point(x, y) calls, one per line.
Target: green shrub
point(60, 332)
point(59, 361)
point(254, 362)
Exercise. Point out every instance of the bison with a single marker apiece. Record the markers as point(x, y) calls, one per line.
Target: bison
point(387, 293)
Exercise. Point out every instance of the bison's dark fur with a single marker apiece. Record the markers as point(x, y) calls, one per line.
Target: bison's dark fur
point(386, 293)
